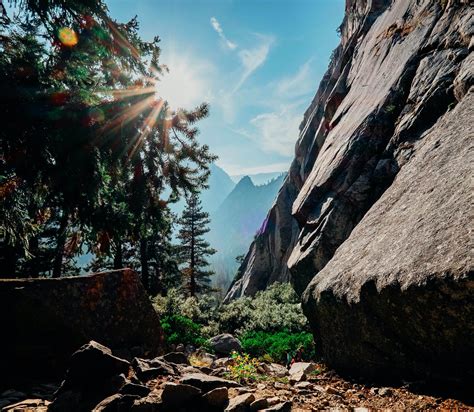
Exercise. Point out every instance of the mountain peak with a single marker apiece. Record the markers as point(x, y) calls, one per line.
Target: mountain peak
point(246, 181)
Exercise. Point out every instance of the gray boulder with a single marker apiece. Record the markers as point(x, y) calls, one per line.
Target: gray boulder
point(225, 344)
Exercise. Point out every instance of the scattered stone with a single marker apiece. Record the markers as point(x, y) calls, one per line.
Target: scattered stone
point(94, 374)
point(260, 403)
point(261, 386)
point(273, 400)
point(148, 369)
point(207, 382)
point(114, 403)
point(279, 385)
point(225, 343)
point(385, 392)
point(222, 362)
point(245, 389)
point(150, 403)
point(374, 391)
point(332, 391)
point(240, 403)
point(219, 372)
point(180, 348)
point(188, 369)
point(217, 398)
point(206, 370)
point(280, 407)
point(135, 389)
point(37, 405)
point(177, 394)
point(176, 357)
point(361, 410)
point(299, 371)
point(304, 385)
point(93, 363)
point(274, 369)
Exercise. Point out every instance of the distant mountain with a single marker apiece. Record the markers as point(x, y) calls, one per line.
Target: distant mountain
point(258, 178)
point(220, 185)
point(235, 223)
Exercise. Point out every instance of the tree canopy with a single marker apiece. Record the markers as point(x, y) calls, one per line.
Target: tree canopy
point(91, 155)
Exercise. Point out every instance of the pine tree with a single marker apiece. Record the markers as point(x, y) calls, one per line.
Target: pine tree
point(194, 248)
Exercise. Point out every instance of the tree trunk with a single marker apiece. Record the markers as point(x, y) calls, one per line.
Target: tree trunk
point(33, 263)
point(192, 266)
point(60, 243)
point(9, 260)
point(118, 257)
point(144, 263)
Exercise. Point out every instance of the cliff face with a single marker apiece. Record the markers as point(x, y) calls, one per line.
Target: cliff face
point(399, 67)
point(382, 174)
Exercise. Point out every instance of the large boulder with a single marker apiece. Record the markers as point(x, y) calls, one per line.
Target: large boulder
point(46, 320)
point(397, 299)
point(225, 344)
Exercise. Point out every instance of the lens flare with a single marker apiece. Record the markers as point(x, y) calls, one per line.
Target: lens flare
point(68, 37)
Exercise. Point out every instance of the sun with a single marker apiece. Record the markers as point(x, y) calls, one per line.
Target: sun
point(186, 85)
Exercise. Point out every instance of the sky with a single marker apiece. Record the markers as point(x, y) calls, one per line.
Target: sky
point(258, 64)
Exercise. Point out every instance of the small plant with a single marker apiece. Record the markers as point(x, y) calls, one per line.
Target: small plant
point(244, 368)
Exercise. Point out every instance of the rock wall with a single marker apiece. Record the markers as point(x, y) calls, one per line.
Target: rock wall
point(397, 85)
point(45, 320)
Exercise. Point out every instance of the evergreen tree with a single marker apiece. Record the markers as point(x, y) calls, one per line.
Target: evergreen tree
point(194, 249)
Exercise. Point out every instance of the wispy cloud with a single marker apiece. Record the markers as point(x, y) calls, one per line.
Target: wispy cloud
point(298, 84)
point(218, 28)
point(252, 59)
point(277, 131)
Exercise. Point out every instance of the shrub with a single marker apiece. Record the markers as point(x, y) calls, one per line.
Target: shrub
point(276, 345)
point(275, 309)
point(180, 329)
point(244, 368)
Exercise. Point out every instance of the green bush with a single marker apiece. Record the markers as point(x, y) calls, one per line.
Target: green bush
point(276, 345)
point(180, 329)
point(275, 309)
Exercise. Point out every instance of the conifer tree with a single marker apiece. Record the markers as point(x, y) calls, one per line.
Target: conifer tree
point(194, 249)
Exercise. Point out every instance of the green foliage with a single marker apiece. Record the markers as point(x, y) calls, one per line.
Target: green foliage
point(202, 311)
point(194, 249)
point(275, 309)
point(277, 345)
point(269, 325)
point(244, 368)
point(180, 329)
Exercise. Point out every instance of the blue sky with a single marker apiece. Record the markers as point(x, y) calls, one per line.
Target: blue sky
point(257, 63)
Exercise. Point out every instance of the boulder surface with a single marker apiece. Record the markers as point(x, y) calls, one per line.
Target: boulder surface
point(48, 319)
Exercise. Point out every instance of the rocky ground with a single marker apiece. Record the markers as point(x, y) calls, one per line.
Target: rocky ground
point(99, 381)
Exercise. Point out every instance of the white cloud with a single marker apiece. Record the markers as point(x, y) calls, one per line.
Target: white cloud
point(277, 131)
point(218, 28)
point(252, 59)
point(299, 84)
point(188, 82)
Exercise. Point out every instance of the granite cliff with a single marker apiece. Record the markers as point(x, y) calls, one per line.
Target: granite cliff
point(374, 213)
